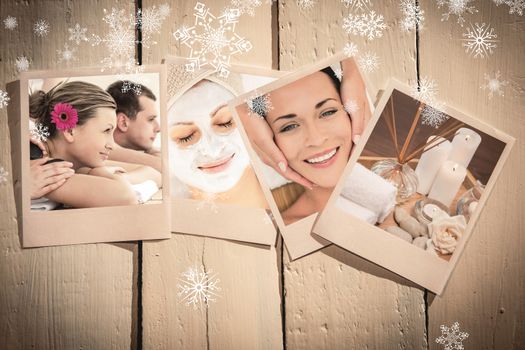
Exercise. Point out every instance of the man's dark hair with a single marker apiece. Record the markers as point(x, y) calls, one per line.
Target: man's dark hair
point(128, 102)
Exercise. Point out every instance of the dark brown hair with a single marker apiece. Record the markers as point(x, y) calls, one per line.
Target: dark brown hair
point(84, 97)
point(128, 102)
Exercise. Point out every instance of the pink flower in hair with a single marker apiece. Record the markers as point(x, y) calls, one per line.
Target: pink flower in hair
point(64, 116)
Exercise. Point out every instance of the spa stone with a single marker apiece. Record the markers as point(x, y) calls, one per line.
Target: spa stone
point(420, 242)
point(409, 224)
point(399, 232)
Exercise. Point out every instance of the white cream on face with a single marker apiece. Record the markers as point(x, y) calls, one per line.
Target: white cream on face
point(194, 164)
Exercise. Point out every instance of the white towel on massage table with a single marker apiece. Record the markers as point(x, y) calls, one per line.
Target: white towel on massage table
point(43, 204)
point(145, 190)
point(371, 191)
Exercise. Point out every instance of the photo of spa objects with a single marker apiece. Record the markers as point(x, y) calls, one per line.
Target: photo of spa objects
point(415, 187)
point(209, 164)
point(89, 142)
point(307, 121)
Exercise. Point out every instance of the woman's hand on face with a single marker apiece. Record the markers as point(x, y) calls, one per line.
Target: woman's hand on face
point(353, 89)
point(46, 178)
point(261, 136)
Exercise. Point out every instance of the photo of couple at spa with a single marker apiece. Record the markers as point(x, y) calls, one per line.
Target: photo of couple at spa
point(306, 131)
point(94, 142)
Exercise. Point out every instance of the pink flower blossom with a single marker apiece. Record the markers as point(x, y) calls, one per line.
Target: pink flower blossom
point(64, 116)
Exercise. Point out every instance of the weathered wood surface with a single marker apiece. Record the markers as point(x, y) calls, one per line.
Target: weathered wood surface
point(486, 291)
point(69, 297)
point(247, 314)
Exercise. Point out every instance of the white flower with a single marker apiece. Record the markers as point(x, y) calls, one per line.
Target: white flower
point(445, 232)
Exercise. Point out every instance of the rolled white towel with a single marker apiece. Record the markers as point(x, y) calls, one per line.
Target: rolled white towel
point(371, 191)
point(43, 204)
point(356, 210)
point(145, 190)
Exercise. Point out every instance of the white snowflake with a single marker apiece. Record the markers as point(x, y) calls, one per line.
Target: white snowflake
point(456, 8)
point(150, 19)
point(351, 106)
point(338, 72)
point(38, 132)
point(425, 90)
point(67, 54)
point(306, 4)
point(451, 337)
point(4, 99)
point(131, 86)
point(350, 50)
point(164, 10)
point(369, 25)
point(357, 5)
point(432, 116)
point(198, 287)
point(516, 6)
point(3, 175)
point(259, 104)
point(212, 40)
point(10, 22)
point(41, 27)
point(494, 84)
point(480, 40)
point(246, 6)
point(498, 2)
point(413, 16)
point(368, 62)
point(22, 63)
point(77, 34)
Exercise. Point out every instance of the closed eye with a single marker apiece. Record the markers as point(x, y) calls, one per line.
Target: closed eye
point(228, 124)
point(186, 139)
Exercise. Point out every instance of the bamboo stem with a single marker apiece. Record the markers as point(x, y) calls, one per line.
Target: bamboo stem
point(411, 132)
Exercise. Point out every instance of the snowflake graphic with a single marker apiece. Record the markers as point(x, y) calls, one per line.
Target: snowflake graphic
point(432, 116)
point(305, 4)
point(198, 287)
point(41, 28)
point(67, 54)
point(131, 86)
point(368, 62)
point(212, 40)
point(4, 99)
point(480, 40)
point(350, 50)
point(150, 19)
point(246, 6)
point(357, 5)
point(516, 6)
point(38, 132)
point(3, 175)
point(209, 200)
point(77, 34)
point(494, 84)
point(412, 15)
point(22, 63)
point(10, 22)
point(456, 8)
point(351, 106)
point(369, 25)
point(451, 337)
point(259, 104)
point(425, 90)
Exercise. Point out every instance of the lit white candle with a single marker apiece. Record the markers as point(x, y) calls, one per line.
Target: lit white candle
point(447, 182)
point(430, 162)
point(464, 145)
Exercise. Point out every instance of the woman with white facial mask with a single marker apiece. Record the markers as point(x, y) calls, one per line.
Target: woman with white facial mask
point(206, 150)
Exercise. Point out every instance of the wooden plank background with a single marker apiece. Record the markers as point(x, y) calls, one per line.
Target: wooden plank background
point(124, 296)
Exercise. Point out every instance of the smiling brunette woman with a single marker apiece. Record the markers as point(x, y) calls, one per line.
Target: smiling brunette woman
point(313, 131)
point(80, 118)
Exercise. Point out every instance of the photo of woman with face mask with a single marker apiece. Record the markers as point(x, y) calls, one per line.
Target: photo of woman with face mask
point(80, 119)
point(312, 129)
point(207, 154)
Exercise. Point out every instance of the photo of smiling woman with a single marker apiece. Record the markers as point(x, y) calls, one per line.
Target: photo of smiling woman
point(79, 118)
point(312, 128)
point(208, 160)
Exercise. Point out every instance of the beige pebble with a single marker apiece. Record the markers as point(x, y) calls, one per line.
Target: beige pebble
point(399, 232)
point(420, 242)
point(409, 223)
